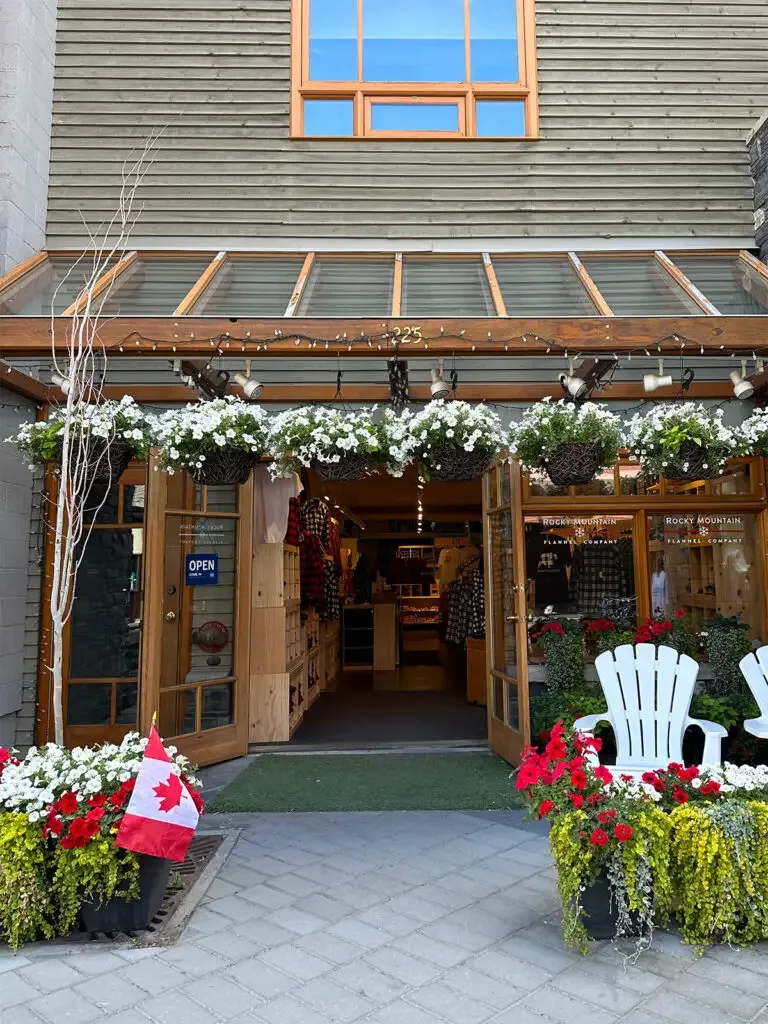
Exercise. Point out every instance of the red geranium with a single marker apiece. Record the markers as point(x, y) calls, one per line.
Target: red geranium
point(680, 796)
point(598, 838)
point(623, 833)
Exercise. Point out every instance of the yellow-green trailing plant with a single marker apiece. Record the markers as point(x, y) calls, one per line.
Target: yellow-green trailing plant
point(26, 900)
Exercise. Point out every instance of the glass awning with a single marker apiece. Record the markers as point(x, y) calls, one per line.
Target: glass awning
point(339, 285)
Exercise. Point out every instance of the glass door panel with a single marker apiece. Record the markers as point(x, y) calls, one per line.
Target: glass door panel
point(508, 717)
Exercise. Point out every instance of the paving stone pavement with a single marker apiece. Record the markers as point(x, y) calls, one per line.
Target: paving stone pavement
point(381, 918)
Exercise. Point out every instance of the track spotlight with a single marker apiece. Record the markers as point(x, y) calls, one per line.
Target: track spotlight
point(61, 382)
point(753, 386)
point(251, 388)
point(581, 381)
point(654, 381)
point(201, 377)
point(440, 388)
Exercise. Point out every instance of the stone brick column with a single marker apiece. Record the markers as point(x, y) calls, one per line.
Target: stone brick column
point(757, 143)
point(27, 54)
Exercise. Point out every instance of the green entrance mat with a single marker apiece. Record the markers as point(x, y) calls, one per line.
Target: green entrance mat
point(371, 782)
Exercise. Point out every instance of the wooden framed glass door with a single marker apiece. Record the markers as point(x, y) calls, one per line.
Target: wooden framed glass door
point(197, 594)
point(509, 726)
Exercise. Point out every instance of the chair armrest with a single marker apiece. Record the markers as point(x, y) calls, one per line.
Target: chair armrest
point(708, 728)
point(713, 734)
point(588, 723)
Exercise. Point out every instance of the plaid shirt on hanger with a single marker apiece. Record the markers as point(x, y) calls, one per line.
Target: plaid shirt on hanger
point(598, 575)
point(312, 565)
point(314, 519)
point(293, 532)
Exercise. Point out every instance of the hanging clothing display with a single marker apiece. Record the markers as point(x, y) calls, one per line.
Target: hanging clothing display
point(547, 562)
point(466, 607)
point(450, 561)
point(293, 529)
point(271, 504)
point(331, 590)
point(598, 576)
point(315, 516)
point(312, 566)
point(659, 598)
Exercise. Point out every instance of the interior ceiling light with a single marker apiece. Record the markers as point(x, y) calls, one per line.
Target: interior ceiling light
point(580, 382)
point(654, 381)
point(440, 388)
point(748, 386)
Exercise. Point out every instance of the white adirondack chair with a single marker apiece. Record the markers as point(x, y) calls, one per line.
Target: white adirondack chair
point(649, 690)
point(754, 668)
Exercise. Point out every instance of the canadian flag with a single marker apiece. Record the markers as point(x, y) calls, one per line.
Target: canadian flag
point(161, 816)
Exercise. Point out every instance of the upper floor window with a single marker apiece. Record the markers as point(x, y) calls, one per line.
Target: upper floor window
point(428, 69)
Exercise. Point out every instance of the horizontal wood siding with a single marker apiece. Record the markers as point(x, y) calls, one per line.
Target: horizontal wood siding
point(645, 106)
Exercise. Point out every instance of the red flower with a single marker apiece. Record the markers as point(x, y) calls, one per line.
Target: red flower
point(602, 773)
point(95, 814)
point(606, 817)
point(598, 838)
point(555, 750)
point(626, 778)
point(710, 788)
point(560, 769)
point(595, 742)
point(544, 736)
point(579, 779)
point(97, 801)
point(623, 833)
point(680, 614)
point(67, 804)
point(577, 800)
point(545, 807)
point(680, 796)
point(558, 731)
point(649, 778)
point(594, 799)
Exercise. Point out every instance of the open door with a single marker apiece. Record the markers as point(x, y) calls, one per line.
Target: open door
point(197, 582)
point(509, 724)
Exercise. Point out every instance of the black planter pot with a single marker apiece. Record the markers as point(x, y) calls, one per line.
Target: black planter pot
point(600, 915)
point(451, 465)
point(229, 466)
point(575, 462)
point(120, 915)
point(690, 464)
point(105, 465)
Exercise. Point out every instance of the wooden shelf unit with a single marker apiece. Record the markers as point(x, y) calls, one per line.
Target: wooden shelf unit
point(278, 668)
point(357, 637)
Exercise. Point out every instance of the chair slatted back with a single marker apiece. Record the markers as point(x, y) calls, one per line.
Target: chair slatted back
point(754, 668)
point(649, 691)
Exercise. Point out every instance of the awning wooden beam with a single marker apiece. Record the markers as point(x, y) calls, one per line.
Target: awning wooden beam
point(379, 394)
point(493, 284)
point(193, 336)
point(301, 284)
point(589, 286)
point(200, 286)
point(101, 285)
point(20, 271)
point(22, 384)
point(755, 264)
point(686, 284)
point(397, 285)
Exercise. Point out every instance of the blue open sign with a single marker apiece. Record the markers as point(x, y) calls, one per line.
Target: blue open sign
point(201, 570)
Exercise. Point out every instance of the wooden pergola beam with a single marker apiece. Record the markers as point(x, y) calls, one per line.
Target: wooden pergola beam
point(24, 385)
point(20, 271)
point(101, 285)
point(693, 293)
point(397, 285)
point(589, 286)
point(493, 284)
point(192, 335)
point(200, 286)
point(754, 264)
point(301, 284)
point(300, 394)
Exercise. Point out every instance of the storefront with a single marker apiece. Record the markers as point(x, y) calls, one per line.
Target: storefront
point(183, 608)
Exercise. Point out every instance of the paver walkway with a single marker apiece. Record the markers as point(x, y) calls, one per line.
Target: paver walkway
point(383, 918)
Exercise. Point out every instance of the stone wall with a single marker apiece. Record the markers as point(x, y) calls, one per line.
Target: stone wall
point(27, 53)
point(17, 546)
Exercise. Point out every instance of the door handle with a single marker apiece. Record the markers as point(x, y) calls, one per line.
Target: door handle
point(513, 618)
point(170, 616)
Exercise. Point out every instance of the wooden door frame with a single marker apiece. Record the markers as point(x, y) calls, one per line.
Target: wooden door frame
point(502, 738)
point(224, 742)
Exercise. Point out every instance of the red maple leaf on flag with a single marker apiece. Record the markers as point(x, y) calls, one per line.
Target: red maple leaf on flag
point(169, 793)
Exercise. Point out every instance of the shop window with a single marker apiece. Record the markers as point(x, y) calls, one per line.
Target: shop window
point(581, 567)
point(414, 68)
point(706, 564)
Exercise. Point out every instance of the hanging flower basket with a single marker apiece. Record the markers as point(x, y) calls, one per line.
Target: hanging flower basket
point(693, 463)
point(575, 462)
point(349, 467)
point(226, 467)
point(453, 465)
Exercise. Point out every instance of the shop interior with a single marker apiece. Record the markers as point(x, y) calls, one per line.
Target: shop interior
point(392, 597)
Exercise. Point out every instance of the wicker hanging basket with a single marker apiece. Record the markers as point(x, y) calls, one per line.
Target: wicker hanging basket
point(693, 463)
point(106, 464)
point(575, 462)
point(226, 467)
point(453, 465)
point(351, 467)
